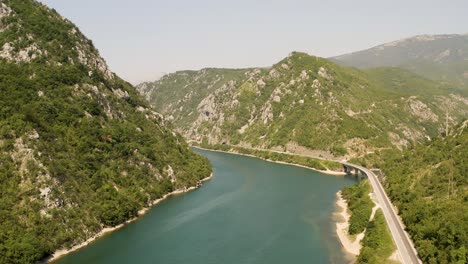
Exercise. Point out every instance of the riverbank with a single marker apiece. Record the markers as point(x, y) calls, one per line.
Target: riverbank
point(356, 245)
point(62, 252)
point(350, 245)
point(328, 172)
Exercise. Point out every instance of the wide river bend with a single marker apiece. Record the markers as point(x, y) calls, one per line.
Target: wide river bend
point(251, 212)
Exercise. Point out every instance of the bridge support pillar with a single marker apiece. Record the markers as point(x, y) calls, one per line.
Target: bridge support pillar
point(346, 169)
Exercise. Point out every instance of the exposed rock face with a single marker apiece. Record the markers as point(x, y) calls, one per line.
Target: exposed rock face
point(4, 11)
point(421, 110)
point(145, 90)
point(274, 74)
point(261, 83)
point(92, 60)
point(324, 74)
point(207, 108)
point(121, 94)
point(267, 113)
point(316, 84)
point(171, 174)
point(7, 51)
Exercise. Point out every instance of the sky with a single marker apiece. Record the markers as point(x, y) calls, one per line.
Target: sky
point(144, 39)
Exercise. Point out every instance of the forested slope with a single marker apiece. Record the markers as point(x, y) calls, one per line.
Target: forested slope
point(79, 149)
point(429, 185)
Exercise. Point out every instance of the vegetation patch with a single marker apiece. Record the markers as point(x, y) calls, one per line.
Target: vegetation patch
point(377, 245)
point(360, 205)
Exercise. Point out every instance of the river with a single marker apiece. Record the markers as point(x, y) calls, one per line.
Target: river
point(252, 211)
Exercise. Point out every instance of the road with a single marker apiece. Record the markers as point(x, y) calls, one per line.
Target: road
point(403, 242)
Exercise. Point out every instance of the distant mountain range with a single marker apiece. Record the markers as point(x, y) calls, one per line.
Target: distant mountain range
point(437, 57)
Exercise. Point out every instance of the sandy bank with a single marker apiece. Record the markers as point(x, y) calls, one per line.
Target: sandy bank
point(59, 253)
point(328, 172)
point(352, 246)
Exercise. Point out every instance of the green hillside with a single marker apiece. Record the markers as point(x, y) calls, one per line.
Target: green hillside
point(307, 105)
point(80, 149)
point(428, 183)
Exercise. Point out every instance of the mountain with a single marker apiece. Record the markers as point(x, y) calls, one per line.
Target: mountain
point(438, 57)
point(307, 105)
point(80, 149)
point(428, 184)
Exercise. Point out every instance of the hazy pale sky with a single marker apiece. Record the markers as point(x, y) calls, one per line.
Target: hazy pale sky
point(144, 39)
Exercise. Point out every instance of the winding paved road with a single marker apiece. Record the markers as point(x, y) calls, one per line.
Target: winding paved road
point(403, 242)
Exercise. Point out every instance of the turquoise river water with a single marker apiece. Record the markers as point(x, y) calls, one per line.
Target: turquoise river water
point(252, 211)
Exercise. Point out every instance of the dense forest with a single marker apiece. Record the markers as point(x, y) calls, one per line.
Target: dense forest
point(429, 185)
point(79, 149)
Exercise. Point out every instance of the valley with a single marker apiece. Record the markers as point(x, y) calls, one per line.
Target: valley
point(355, 158)
point(305, 107)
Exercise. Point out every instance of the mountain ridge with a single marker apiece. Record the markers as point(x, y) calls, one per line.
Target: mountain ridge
point(438, 57)
point(240, 108)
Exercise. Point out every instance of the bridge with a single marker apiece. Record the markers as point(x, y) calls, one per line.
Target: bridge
point(349, 170)
point(404, 244)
